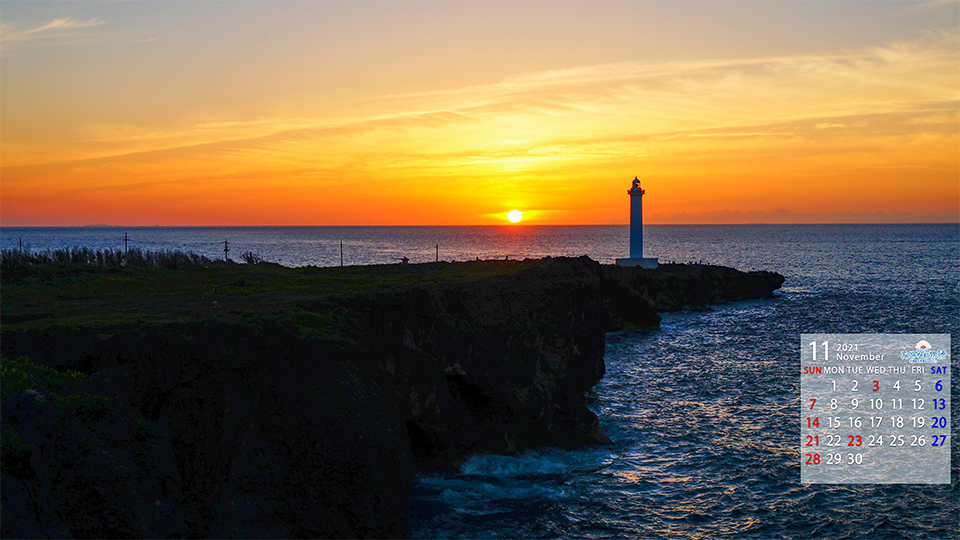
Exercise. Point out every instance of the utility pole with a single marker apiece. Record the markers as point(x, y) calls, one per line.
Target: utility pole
point(341, 253)
point(438, 252)
point(226, 249)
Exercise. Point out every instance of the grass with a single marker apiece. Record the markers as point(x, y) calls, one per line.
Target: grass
point(104, 258)
point(85, 288)
point(22, 374)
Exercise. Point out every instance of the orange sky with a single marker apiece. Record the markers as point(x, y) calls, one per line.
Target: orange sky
point(317, 113)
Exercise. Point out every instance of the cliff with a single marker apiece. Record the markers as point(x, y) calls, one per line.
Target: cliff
point(269, 402)
point(636, 296)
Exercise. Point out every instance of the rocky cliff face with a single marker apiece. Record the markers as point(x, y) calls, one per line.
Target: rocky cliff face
point(313, 425)
point(636, 295)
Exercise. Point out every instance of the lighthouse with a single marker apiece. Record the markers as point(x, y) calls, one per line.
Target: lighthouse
point(636, 230)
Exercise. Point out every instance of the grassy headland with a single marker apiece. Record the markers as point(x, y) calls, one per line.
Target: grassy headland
point(88, 288)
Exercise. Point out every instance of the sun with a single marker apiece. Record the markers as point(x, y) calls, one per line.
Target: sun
point(514, 216)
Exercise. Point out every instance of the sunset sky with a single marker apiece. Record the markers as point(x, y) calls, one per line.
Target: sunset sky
point(446, 113)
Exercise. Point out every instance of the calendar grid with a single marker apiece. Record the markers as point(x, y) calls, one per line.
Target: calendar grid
point(875, 409)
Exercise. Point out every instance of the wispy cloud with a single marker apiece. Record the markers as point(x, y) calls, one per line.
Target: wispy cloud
point(62, 30)
point(587, 104)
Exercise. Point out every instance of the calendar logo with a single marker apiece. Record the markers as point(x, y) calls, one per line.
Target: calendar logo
point(923, 354)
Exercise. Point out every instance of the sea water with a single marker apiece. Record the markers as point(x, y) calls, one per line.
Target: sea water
point(702, 412)
point(323, 246)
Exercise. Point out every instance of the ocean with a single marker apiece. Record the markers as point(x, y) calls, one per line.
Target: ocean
point(321, 246)
point(703, 412)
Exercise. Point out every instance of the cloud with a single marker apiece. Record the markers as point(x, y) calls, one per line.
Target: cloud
point(63, 23)
point(942, 117)
point(680, 115)
point(59, 31)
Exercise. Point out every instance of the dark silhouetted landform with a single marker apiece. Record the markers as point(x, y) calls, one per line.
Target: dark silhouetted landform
point(229, 400)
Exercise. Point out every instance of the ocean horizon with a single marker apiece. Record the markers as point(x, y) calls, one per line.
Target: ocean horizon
point(376, 244)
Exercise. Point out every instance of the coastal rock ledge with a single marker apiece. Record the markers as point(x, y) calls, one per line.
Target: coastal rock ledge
point(310, 419)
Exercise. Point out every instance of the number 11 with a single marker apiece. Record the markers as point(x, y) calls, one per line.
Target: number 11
point(826, 350)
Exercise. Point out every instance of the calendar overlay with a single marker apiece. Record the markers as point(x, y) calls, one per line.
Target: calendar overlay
point(875, 409)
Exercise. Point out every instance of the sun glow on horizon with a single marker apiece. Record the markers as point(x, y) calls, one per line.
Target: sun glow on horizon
point(514, 216)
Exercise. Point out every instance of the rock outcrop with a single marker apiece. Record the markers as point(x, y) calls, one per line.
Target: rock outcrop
point(636, 295)
point(312, 424)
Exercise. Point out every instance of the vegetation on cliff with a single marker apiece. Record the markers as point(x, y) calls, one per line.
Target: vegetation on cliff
point(70, 287)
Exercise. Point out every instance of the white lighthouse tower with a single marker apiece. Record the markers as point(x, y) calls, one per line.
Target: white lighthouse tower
point(636, 230)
